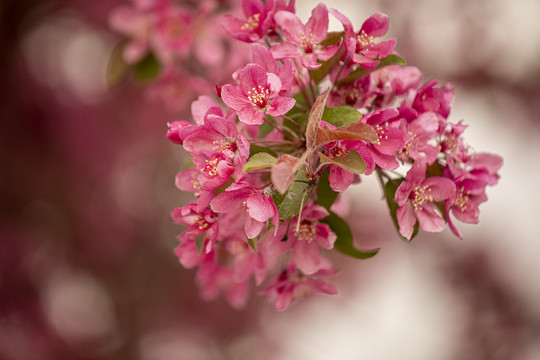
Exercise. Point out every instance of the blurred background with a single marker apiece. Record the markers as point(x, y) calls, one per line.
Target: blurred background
point(87, 269)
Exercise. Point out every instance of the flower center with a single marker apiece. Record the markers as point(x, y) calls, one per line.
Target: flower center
point(308, 41)
point(462, 199)
point(306, 233)
point(364, 40)
point(258, 96)
point(381, 134)
point(420, 196)
point(252, 23)
point(338, 151)
point(201, 223)
point(210, 168)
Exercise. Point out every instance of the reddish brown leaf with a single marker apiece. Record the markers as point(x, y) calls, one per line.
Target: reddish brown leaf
point(314, 120)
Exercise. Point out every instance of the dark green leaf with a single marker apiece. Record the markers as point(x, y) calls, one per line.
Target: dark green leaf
point(292, 202)
point(147, 68)
point(341, 116)
point(325, 195)
point(254, 149)
point(360, 72)
point(344, 242)
point(389, 192)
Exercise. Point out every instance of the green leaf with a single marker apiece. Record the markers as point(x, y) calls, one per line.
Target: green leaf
point(147, 68)
point(117, 68)
point(352, 161)
point(223, 187)
point(253, 244)
point(199, 243)
point(360, 72)
point(344, 242)
point(277, 197)
point(389, 192)
point(319, 74)
point(341, 116)
point(325, 195)
point(254, 149)
point(292, 202)
point(260, 160)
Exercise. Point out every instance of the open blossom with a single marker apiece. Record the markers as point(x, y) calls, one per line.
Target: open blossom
point(291, 285)
point(259, 18)
point(390, 139)
point(264, 57)
point(198, 223)
point(416, 197)
point(361, 46)
point(304, 41)
point(420, 132)
point(312, 235)
point(250, 205)
point(257, 95)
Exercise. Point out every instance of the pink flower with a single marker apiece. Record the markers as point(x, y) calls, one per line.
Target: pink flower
point(340, 179)
point(199, 223)
point(214, 171)
point(420, 132)
point(264, 57)
point(416, 196)
point(247, 201)
point(303, 41)
point(256, 96)
point(361, 46)
point(213, 279)
point(292, 285)
point(173, 33)
point(258, 21)
point(437, 100)
point(136, 23)
point(390, 139)
point(311, 236)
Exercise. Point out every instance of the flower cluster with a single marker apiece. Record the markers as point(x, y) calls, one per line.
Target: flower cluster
point(274, 151)
point(179, 42)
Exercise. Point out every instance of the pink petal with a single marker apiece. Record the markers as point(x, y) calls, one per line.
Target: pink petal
point(234, 97)
point(340, 179)
point(263, 57)
point(428, 218)
point(253, 227)
point(347, 25)
point(376, 25)
point(325, 237)
point(292, 27)
point(252, 76)
point(306, 256)
point(200, 106)
point(285, 51)
point(261, 207)
point(406, 219)
point(439, 188)
point(318, 23)
point(280, 106)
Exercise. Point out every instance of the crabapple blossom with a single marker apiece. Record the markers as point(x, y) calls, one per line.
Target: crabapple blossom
point(256, 95)
point(272, 156)
point(360, 46)
point(304, 41)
